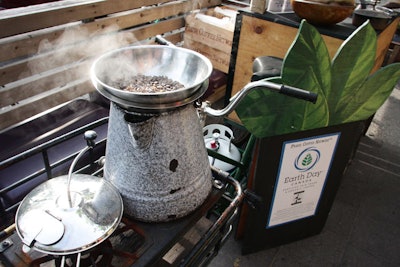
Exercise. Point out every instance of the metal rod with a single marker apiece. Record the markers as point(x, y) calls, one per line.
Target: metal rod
point(46, 162)
point(225, 216)
point(78, 260)
point(71, 169)
point(62, 261)
point(162, 41)
point(261, 84)
point(234, 101)
point(51, 143)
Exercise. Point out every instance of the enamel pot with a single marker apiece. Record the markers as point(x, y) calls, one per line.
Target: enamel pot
point(155, 152)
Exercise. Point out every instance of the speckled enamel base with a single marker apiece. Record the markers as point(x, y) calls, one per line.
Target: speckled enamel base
point(159, 166)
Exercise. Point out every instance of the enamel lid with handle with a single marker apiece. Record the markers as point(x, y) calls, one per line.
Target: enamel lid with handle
point(50, 221)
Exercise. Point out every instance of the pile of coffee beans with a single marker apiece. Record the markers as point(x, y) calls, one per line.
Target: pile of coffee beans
point(152, 84)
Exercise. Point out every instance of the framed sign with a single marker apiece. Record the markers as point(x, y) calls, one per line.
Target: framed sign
point(296, 176)
point(304, 167)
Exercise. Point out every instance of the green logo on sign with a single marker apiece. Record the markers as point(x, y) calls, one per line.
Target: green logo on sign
point(307, 160)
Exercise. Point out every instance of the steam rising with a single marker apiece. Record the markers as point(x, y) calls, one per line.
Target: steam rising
point(72, 54)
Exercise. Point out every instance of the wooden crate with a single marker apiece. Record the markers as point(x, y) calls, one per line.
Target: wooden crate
point(212, 41)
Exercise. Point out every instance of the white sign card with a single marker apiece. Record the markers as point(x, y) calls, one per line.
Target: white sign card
point(303, 170)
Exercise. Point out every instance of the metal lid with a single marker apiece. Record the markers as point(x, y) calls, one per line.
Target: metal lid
point(46, 220)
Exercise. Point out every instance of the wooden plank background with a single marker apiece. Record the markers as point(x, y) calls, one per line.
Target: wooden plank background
point(46, 50)
point(259, 37)
point(212, 41)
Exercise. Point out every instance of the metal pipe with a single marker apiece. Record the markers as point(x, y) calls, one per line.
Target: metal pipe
point(89, 136)
point(78, 260)
point(205, 241)
point(71, 169)
point(262, 84)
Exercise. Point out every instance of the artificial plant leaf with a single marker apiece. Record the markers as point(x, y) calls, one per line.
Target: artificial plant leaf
point(374, 91)
point(308, 52)
point(306, 66)
point(266, 113)
point(351, 66)
point(313, 115)
point(260, 110)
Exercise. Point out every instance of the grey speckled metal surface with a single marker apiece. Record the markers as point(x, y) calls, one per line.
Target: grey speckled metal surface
point(160, 166)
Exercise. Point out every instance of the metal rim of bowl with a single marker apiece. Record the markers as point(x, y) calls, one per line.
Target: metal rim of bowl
point(151, 101)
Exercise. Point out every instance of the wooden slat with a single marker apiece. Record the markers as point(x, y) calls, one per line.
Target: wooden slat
point(44, 102)
point(145, 32)
point(25, 92)
point(17, 92)
point(77, 33)
point(48, 15)
point(35, 65)
point(78, 64)
point(45, 15)
point(219, 58)
point(27, 10)
point(28, 44)
point(175, 37)
point(383, 43)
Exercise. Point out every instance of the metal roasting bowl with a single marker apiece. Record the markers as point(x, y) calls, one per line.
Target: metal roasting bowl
point(178, 64)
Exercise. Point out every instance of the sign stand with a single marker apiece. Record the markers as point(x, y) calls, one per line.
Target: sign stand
point(297, 175)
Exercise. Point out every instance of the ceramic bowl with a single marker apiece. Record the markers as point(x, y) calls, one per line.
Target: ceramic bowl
point(321, 13)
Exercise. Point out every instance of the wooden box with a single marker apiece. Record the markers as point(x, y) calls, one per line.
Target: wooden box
point(212, 41)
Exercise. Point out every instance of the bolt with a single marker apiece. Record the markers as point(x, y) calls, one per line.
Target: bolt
point(5, 244)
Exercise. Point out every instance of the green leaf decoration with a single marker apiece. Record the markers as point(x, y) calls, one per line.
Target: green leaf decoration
point(307, 65)
point(346, 90)
point(307, 56)
point(313, 115)
point(263, 112)
point(366, 100)
point(351, 67)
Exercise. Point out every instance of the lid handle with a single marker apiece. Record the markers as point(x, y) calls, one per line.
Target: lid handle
point(90, 136)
